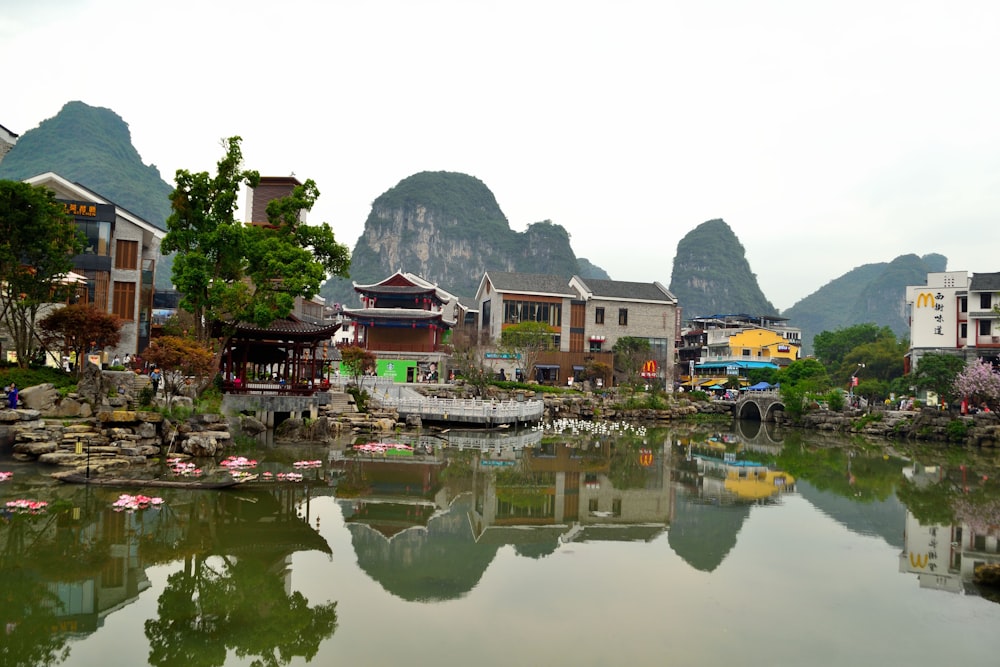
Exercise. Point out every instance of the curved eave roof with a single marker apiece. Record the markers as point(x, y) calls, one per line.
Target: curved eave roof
point(394, 314)
point(286, 328)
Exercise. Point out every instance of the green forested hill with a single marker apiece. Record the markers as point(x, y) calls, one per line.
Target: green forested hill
point(448, 228)
point(870, 293)
point(92, 146)
point(711, 274)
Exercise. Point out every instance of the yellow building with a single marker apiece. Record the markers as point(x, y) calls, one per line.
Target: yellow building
point(762, 345)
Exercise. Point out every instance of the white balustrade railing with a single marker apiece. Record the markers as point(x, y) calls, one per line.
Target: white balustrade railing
point(490, 410)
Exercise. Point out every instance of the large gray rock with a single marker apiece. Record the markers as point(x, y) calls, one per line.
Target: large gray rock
point(41, 397)
point(251, 426)
point(200, 444)
point(92, 387)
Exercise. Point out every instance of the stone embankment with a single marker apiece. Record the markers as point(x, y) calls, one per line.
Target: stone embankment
point(929, 424)
point(110, 439)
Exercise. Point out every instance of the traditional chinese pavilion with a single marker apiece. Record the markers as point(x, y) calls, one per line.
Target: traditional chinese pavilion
point(289, 356)
point(405, 320)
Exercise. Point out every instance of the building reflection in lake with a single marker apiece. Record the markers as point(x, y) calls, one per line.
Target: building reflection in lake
point(945, 556)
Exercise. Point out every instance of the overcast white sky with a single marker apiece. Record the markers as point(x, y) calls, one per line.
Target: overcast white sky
point(826, 134)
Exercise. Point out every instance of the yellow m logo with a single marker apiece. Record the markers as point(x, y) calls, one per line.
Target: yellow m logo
point(918, 561)
point(925, 299)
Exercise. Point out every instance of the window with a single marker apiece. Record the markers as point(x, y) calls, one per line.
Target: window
point(623, 316)
point(124, 306)
point(985, 300)
point(963, 330)
point(97, 287)
point(599, 316)
point(592, 505)
point(127, 255)
point(984, 327)
point(595, 345)
point(515, 312)
point(964, 307)
point(97, 235)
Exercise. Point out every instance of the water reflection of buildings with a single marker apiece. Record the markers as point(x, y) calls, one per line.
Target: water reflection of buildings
point(945, 557)
point(718, 494)
point(571, 493)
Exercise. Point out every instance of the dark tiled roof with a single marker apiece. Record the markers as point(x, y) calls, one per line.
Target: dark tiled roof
point(624, 290)
point(985, 282)
point(530, 283)
point(287, 327)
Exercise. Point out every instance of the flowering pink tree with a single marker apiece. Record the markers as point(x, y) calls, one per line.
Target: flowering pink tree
point(978, 382)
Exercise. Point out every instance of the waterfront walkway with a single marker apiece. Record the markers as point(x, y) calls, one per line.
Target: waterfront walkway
point(487, 412)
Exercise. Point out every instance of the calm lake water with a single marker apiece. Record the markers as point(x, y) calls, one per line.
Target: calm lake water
point(617, 547)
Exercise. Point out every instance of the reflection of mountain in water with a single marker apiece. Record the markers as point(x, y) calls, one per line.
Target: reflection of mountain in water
point(439, 562)
point(703, 533)
point(884, 519)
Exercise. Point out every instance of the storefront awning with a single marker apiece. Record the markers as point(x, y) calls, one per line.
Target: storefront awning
point(547, 367)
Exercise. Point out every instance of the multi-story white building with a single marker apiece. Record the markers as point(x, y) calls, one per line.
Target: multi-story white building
point(954, 313)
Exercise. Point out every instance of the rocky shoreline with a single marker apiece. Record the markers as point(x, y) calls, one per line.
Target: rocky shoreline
point(70, 433)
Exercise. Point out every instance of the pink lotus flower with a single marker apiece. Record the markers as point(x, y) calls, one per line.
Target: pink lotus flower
point(26, 506)
point(129, 503)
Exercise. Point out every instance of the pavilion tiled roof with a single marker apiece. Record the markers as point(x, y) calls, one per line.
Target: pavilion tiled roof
point(290, 326)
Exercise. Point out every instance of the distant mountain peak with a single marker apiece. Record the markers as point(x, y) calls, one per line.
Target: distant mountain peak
point(448, 228)
point(711, 274)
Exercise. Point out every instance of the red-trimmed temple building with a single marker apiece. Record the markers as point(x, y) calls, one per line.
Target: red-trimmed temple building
point(406, 322)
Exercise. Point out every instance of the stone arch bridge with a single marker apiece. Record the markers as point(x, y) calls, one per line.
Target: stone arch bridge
point(759, 405)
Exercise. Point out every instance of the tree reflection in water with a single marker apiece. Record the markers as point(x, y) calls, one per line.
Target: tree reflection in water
point(220, 603)
point(231, 594)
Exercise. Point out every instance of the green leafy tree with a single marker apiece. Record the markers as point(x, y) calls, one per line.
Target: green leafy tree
point(882, 359)
point(831, 347)
point(630, 353)
point(230, 272)
point(39, 242)
point(526, 341)
point(203, 231)
point(937, 373)
point(801, 381)
point(77, 329)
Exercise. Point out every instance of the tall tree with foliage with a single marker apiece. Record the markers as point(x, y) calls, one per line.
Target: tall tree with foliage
point(630, 354)
point(526, 340)
point(801, 381)
point(288, 258)
point(833, 347)
point(230, 272)
point(39, 242)
point(202, 229)
point(76, 329)
point(882, 359)
point(937, 373)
